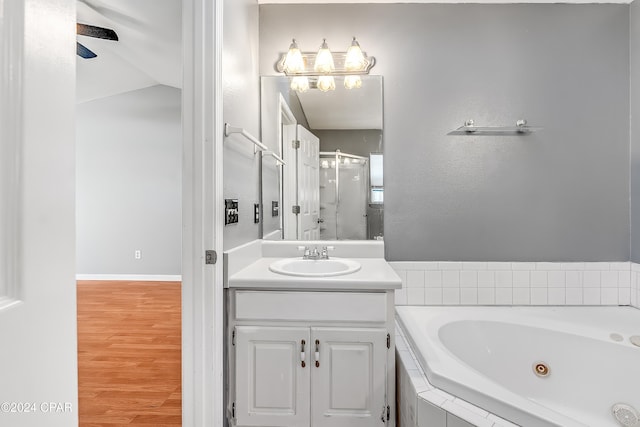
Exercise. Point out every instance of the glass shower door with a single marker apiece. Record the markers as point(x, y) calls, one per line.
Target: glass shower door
point(343, 197)
point(352, 200)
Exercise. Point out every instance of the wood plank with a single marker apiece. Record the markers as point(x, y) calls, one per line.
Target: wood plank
point(129, 354)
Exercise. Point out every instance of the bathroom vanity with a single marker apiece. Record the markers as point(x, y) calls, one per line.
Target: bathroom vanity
point(310, 345)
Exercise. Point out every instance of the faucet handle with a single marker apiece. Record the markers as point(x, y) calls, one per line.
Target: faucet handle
point(306, 250)
point(325, 251)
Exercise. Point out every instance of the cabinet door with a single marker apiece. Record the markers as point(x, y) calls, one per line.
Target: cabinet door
point(272, 386)
point(348, 383)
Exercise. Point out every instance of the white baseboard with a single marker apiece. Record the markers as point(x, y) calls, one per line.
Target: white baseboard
point(132, 277)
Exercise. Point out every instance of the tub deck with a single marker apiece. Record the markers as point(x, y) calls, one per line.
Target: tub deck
point(486, 356)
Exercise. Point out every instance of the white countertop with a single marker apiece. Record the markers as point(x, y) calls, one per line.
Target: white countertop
point(374, 274)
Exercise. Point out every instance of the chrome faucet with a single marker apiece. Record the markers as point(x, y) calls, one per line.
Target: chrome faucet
point(315, 254)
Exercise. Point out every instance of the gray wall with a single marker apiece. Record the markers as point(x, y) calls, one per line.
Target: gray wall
point(241, 108)
point(360, 142)
point(634, 50)
point(561, 194)
point(129, 178)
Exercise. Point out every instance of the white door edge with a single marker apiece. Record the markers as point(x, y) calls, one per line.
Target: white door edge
point(202, 295)
point(288, 174)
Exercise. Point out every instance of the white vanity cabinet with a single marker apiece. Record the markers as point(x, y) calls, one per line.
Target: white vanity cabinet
point(305, 358)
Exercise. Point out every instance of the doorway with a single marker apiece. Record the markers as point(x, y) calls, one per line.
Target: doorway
point(129, 213)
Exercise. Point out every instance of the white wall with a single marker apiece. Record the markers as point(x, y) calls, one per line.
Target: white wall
point(129, 183)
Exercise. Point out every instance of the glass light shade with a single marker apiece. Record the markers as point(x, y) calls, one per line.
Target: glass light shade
point(352, 82)
point(324, 59)
point(354, 60)
point(326, 83)
point(300, 84)
point(293, 62)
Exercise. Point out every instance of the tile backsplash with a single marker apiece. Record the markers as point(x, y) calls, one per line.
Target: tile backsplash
point(518, 283)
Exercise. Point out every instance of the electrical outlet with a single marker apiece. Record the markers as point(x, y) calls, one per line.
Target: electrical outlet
point(230, 211)
point(137, 254)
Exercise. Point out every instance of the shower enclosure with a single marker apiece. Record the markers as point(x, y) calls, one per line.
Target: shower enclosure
point(344, 186)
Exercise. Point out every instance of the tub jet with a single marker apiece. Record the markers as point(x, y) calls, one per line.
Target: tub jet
point(541, 369)
point(626, 415)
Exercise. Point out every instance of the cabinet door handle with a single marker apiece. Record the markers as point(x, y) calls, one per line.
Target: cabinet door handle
point(317, 353)
point(302, 355)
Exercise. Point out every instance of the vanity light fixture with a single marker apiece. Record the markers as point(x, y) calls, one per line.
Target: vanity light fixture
point(293, 62)
point(318, 70)
point(354, 60)
point(326, 83)
point(300, 83)
point(352, 82)
point(324, 59)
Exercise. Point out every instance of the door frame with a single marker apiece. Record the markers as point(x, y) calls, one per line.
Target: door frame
point(288, 172)
point(202, 293)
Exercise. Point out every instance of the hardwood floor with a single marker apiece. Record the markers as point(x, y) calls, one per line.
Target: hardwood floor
point(129, 354)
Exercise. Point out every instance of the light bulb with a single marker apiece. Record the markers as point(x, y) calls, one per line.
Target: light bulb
point(294, 63)
point(354, 60)
point(352, 82)
point(324, 59)
point(300, 84)
point(326, 83)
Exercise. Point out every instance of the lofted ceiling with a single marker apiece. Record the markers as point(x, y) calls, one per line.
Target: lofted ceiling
point(344, 109)
point(149, 51)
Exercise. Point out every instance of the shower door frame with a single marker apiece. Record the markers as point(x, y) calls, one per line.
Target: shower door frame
point(337, 154)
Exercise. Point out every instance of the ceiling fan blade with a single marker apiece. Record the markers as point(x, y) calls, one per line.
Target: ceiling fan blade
point(84, 52)
point(97, 32)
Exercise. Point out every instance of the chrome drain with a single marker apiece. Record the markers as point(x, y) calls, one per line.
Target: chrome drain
point(626, 415)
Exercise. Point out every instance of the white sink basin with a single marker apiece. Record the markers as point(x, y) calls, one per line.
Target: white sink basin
point(314, 268)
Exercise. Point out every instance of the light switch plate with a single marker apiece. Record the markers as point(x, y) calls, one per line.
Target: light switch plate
point(230, 211)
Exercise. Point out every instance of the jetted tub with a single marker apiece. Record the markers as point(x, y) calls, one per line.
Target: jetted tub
point(497, 357)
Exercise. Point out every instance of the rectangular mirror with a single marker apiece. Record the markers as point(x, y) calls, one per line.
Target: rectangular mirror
point(331, 186)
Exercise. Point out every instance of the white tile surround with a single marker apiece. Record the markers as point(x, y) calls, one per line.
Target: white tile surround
point(419, 404)
point(518, 283)
point(635, 285)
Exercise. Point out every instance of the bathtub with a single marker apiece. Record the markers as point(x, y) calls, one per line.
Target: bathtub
point(488, 355)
